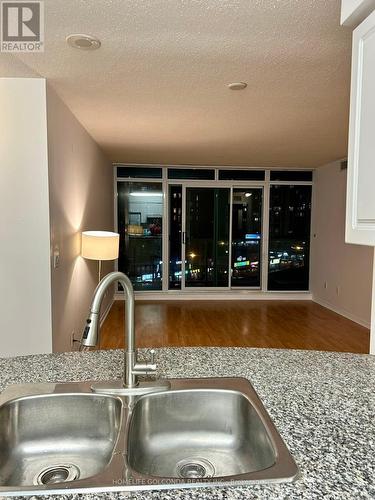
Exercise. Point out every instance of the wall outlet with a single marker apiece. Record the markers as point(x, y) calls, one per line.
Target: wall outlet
point(74, 342)
point(325, 285)
point(337, 290)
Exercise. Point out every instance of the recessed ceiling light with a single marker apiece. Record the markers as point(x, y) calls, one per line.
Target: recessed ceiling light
point(237, 86)
point(83, 42)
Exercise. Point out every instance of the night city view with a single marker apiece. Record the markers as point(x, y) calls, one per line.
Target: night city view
point(209, 260)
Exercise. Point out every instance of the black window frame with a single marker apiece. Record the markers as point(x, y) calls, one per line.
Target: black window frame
point(139, 172)
point(242, 175)
point(200, 174)
point(291, 176)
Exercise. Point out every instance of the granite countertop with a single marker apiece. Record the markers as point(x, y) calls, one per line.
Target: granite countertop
point(323, 405)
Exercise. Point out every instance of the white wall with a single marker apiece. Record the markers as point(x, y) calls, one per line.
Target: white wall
point(25, 295)
point(346, 269)
point(81, 198)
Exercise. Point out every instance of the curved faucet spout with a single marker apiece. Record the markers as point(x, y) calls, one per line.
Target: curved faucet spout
point(91, 332)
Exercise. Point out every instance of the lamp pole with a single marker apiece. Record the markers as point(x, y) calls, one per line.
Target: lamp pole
point(99, 270)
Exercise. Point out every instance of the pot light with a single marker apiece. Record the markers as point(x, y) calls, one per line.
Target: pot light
point(83, 42)
point(237, 86)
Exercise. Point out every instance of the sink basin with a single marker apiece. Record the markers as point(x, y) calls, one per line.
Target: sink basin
point(48, 439)
point(63, 438)
point(198, 433)
point(206, 431)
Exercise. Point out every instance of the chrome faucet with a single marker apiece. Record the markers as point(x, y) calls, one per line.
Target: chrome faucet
point(132, 369)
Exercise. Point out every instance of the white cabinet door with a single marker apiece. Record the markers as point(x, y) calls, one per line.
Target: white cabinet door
point(354, 12)
point(360, 211)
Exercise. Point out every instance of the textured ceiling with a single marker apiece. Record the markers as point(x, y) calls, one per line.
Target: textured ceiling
point(156, 90)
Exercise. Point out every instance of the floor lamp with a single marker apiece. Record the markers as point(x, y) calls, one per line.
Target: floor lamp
point(100, 245)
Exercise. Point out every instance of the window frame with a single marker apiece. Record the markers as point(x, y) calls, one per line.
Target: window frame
point(266, 184)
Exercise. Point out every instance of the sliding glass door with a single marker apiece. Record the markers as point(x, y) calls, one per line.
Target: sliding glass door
point(206, 237)
point(199, 244)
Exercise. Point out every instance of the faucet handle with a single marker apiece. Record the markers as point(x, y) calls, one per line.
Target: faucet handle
point(147, 367)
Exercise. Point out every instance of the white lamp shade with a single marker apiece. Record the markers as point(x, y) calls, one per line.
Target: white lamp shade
point(100, 245)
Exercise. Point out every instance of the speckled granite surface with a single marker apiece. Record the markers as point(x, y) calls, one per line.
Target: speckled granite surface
point(323, 405)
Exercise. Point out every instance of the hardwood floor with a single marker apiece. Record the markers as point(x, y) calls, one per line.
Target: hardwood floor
point(277, 324)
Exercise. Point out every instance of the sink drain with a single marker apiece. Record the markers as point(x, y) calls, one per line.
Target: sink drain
point(195, 468)
point(57, 474)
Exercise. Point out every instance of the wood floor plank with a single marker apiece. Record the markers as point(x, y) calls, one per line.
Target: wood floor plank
point(276, 324)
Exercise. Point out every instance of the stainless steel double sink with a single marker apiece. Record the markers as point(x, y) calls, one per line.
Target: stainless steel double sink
point(63, 438)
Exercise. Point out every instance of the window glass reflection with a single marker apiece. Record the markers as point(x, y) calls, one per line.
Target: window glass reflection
point(289, 242)
point(175, 235)
point(140, 219)
point(207, 237)
point(246, 237)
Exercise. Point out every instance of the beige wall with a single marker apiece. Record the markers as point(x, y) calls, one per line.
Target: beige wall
point(25, 293)
point(345, 269)
point(81, 198)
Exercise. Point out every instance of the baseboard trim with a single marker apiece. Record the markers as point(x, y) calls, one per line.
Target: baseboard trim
point(342, 312)
point(233, 295)
point(106, 312)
